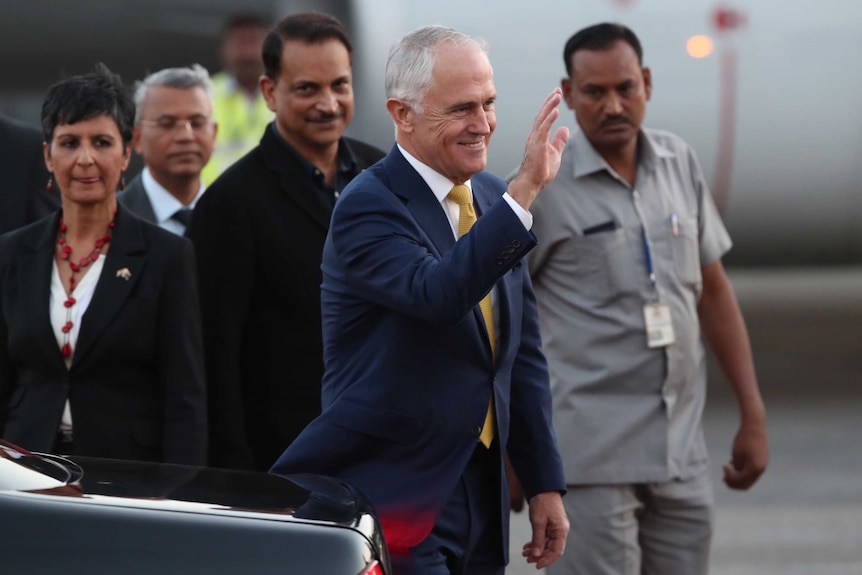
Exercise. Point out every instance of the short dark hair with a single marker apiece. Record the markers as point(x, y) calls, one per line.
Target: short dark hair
point(86, 96)
point(246, 19)
point(308, 27)
point(600, 37)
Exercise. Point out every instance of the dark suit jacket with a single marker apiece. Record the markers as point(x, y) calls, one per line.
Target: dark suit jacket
point(136, 384)
point(135, 198)
point(23, 197)
point(258, 234)
point(409, 369)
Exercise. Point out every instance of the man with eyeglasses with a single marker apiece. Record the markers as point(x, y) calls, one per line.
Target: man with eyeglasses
point(175, 135)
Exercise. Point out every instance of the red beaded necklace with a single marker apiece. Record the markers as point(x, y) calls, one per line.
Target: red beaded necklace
point(66, 254)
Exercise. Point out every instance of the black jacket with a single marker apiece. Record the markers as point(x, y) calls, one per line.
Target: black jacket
point(258, 233)
point(23, 196)
point(136, 384)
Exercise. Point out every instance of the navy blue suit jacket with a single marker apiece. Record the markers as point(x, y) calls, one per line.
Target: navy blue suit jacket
point(409, 370)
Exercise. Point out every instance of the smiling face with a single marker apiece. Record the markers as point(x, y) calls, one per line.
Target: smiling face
point(608, 91)
point(87, 159)
point(452, 132)
point(312, 97)
point(176, 135)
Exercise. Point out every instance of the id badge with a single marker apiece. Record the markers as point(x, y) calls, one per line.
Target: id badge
point(659, 326)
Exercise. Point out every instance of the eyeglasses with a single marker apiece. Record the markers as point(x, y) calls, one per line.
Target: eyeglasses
point(198, 124)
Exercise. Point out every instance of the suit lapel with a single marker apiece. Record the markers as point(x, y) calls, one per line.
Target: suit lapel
point(137, 200)
point(428, 213)
point(419, 200)
point(34, 277)
point(126, 253)
point(292, 180)
point(307, 199)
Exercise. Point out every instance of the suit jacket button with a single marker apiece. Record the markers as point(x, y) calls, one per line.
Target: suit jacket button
point(475, 431)
point(516, 243)
point(499, 261)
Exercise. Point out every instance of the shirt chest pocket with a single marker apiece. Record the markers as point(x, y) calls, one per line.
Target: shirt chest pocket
point(604, 265)
point(686, 251)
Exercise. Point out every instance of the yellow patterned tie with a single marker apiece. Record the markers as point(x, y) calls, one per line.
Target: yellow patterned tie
point(460, 194)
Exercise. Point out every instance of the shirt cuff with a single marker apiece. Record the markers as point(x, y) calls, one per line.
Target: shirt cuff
point(523, 215)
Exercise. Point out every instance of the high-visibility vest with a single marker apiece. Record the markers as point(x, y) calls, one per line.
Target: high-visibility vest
point(241, 123)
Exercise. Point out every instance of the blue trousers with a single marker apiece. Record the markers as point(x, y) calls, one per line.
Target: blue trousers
point(467, 537)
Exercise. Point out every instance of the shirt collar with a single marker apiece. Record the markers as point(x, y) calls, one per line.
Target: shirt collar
point(440, 185)
point(345, 157)
point(587, 160)
point(164, 203)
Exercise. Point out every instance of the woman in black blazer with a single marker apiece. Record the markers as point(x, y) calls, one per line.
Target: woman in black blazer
point(100, 335)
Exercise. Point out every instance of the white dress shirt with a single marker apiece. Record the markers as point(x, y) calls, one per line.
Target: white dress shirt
point(165, 204)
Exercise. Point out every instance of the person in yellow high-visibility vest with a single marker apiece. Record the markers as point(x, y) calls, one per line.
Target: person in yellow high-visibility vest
point(238, 106)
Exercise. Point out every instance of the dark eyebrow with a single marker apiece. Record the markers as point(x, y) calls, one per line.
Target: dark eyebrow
point(92, 136)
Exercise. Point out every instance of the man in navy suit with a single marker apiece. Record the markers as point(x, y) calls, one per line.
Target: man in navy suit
point(421, 396)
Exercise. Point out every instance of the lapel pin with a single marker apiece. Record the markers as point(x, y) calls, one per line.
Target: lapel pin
point(124, 273)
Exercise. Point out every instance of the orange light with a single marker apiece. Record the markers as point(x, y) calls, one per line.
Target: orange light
point(699, 46)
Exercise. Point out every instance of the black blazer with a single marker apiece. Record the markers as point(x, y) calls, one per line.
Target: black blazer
point(136, 384)
point(23, 177)
point(258, 234)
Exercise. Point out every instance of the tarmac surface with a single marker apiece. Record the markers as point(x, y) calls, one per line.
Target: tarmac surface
point(804, 516)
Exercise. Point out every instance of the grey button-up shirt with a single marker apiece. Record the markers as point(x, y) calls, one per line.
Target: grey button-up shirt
point(623, 412)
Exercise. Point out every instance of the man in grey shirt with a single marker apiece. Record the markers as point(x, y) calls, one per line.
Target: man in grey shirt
point(627, 273)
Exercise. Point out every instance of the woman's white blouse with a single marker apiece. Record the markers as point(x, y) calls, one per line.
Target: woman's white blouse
point(83, 294)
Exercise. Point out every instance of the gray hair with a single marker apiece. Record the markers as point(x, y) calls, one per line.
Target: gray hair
point(195, 76)
point(411, 62)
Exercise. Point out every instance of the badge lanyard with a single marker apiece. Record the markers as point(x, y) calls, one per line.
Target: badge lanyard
point(657, 317)
point(648, 257)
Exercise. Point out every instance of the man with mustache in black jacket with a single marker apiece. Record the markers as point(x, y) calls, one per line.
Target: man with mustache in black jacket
point(259, 233)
